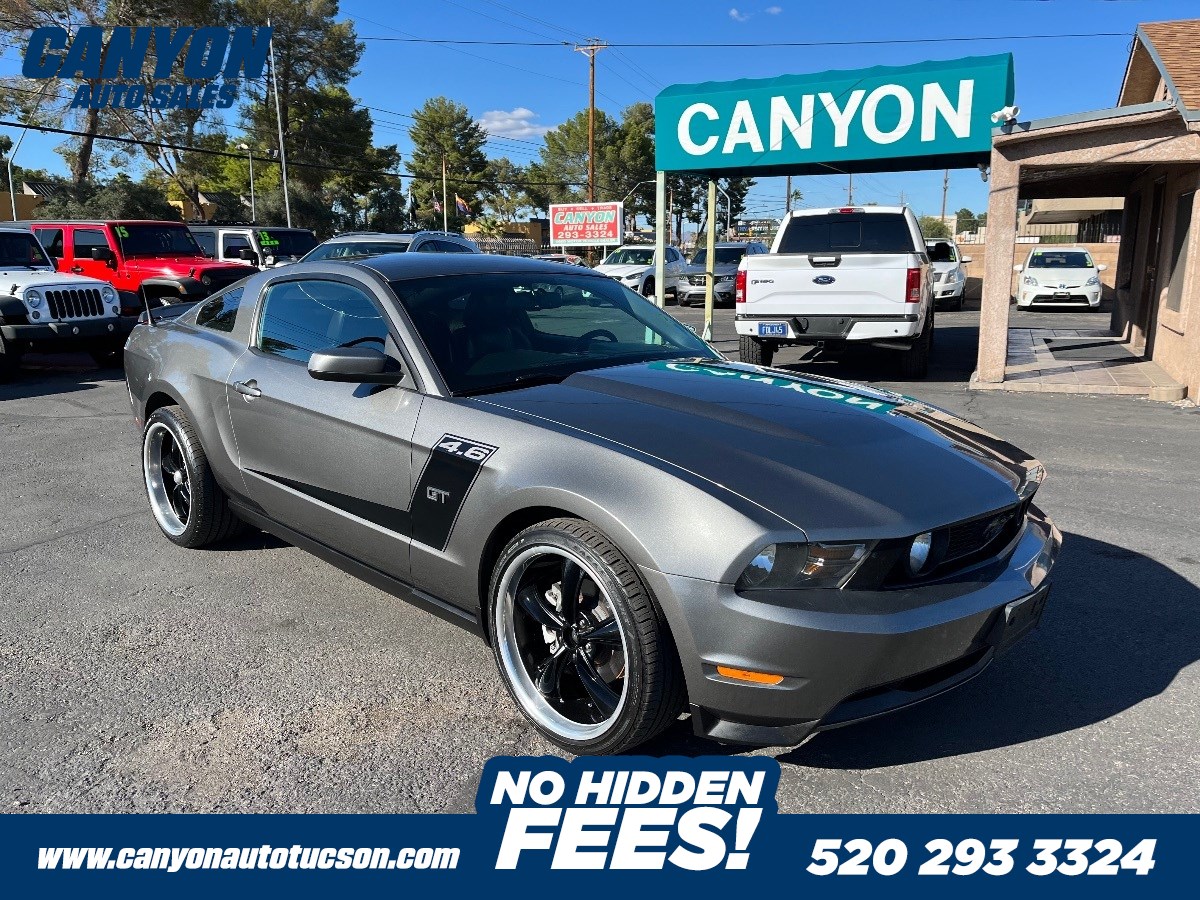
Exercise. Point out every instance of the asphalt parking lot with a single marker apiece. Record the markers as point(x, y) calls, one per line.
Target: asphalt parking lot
point(139, 677)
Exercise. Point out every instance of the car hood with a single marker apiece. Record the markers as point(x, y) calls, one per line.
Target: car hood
point(945, 266)
point(840, 461)
point(181, 265)
point(1060, 276)
point(621, 271)
point(39, 278)
point(722, 270)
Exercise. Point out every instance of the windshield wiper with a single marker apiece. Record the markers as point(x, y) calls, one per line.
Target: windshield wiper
point(520, 381)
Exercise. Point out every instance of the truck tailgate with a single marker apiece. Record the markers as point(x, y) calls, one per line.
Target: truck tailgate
point(849, 284)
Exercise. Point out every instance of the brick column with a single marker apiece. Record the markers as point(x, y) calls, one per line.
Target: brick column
point(997, 278)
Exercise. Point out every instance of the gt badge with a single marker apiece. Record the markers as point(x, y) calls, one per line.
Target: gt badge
point(449, 474)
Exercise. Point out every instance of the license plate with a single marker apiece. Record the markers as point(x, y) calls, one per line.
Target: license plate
point(772, 329)
point(1062, 295)
point(1022, 616)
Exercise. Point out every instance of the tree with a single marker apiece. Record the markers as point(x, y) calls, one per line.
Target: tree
point(934, 227)
point(120, 198)
point(563, 161)
point(966, 220)
point(444, 130)
point(505, 196)
point(634, 168)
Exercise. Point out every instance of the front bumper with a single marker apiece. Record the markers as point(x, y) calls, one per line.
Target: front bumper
point(862, 655)
point(1041, 296)
point(51, 336)
point(690, 293)
point(948, 290)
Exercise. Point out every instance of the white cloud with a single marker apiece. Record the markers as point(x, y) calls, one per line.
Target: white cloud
point(773, 10)
point(738, 16)
point(517, 123)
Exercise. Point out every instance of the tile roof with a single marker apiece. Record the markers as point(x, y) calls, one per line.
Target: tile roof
point(1176, 45)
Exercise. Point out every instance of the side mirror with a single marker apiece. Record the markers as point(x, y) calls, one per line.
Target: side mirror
point(965, 259)
point(103, 254)
point(1103, 267)
point(359, 365)
point(248, 254)
point(1018, 268)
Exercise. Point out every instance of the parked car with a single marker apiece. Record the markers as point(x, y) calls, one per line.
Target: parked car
point(1059, 276)
point(160, 261)
point(633, 265)
point(45, 311)
point(568, 258)
point(536, 474)
point(265, 247)
point(949, 271)
point(727, 256)
point(850, 275)
point(365, 244)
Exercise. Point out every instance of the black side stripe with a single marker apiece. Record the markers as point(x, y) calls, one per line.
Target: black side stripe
point(448, 477)
point(397, 520)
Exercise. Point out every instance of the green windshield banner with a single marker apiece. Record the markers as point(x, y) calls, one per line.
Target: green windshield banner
point(927, 116)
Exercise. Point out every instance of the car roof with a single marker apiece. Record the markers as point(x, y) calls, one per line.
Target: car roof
point(400, 266)
point(107, 222)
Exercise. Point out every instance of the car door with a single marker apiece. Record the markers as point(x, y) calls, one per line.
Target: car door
point(52, 241)
point(232, 245)
point(330, 460)
point(83, 240)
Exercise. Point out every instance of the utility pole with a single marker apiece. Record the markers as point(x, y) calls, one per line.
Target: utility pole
point(787, 201)
point(850, 192)
point(593, 46)
point(445, 207)
point(945, 190)
point(287, 205)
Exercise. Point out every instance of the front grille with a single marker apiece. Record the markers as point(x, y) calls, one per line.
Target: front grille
point(697, 280)
point(219, 279)
point(937, 276)
point(974, 538)
point(1051, 298)
point(75, 304)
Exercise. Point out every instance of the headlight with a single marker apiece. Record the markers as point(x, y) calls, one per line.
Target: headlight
point(1030, 281)
point(633, 276)
point(1093, 281)
point(791, 566)
point(33, 298)
point(1033, 480)
point(109, 295)
point(918, 553)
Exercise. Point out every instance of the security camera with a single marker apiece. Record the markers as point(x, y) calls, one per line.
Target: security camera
point(984, 171)
point(1008, 115)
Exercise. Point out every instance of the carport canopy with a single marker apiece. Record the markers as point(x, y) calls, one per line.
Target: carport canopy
point(931, 115)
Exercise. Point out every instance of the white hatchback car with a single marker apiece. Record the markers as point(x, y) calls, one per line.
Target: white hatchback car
point(1059, 276)
point(949, 272)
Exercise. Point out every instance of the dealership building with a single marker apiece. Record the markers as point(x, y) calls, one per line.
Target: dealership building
point(1146, 150)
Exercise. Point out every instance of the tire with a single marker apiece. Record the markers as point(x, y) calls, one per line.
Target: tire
point(205, 518)
point(587, 697)
point(914, 362)
point(10, 360)
point(962, 301)
point(755, 351)
point(648, 289)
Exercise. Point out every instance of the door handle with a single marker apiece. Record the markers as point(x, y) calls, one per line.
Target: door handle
point(76, 269)
point(248, 389)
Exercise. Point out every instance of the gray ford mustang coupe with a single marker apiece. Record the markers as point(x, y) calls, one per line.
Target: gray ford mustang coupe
point(635, 525)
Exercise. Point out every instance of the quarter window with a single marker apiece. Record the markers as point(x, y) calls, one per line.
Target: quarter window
point(220, 313)
point(301, 317)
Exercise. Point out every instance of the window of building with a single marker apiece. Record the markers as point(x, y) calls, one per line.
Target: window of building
point(1179, 256)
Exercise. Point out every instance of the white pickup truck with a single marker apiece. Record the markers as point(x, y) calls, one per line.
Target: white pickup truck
point(851, 275)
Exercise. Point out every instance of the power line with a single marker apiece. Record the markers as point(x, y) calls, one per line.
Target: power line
point(723, 45)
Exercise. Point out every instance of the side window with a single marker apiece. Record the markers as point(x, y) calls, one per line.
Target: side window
point(85, 239)
point(51, 240)
point(301, 317)
point(232, 245)
point(449, 247)
point(220, 312)
point(207, 241)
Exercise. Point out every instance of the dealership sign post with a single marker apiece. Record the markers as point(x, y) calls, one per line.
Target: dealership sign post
point(586, 224)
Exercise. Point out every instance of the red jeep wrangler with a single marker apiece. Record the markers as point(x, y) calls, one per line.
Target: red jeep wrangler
point(159, 261)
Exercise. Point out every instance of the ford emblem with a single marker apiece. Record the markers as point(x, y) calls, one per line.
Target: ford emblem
point(824, 279)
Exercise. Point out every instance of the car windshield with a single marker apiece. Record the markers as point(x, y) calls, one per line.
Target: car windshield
point(1061, 259)
point(498, 332)
point(19, 250)
point(355, 249)
point(630, 256)
point(848, 233)
point(286, 242)
point(156, 240)
point(726, 256)
point(942, 252)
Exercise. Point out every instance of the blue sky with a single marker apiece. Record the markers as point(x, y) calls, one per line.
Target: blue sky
point(518, 92)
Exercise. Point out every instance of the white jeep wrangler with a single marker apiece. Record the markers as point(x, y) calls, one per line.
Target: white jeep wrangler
point(49, 311)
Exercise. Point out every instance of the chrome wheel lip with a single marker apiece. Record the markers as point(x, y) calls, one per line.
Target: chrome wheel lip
point(156, 487)
point(528, 696)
